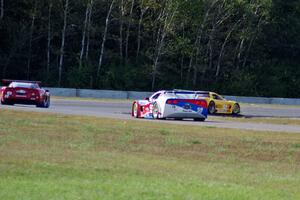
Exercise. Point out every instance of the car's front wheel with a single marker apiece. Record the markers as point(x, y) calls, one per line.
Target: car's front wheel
point(45, 103)
point(236, 109)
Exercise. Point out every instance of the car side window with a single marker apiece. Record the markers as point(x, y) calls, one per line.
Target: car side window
point(217, 97)
point(156, 96)
point(35, 86)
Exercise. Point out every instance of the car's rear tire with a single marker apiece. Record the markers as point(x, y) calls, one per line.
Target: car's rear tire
point(199, 119)
point(156, 111)
point(211, 107)
point(236, 109)
point(135, 110)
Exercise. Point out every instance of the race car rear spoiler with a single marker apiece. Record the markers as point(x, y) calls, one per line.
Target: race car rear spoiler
point(178, 91)
point(8, 81)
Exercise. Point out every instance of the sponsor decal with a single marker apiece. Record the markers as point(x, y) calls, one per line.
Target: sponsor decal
point(21, 92)
point(199, 109)
point(187, 106)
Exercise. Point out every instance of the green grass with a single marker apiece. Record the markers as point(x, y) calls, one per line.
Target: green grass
point(265, 120)
point(48, 156)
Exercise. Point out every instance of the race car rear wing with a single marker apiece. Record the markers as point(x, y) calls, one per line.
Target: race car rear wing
point(180, 91)
point(8, 81)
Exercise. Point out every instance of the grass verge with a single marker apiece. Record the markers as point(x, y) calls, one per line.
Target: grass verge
point(48, 156)
point(262, 120)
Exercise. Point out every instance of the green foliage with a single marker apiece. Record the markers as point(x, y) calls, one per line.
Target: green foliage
point(235, 47)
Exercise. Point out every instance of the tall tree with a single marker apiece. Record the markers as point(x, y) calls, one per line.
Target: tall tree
point(33, 17)
point(104, 38)
point(49, 37)
point(128, 29)
point(89, 30)
point(143, 10)
point(167, 16)
point(63, 37)
point(196, 48)
point(122, 14)
point(223, 47)
point(2, 9)
point(85, 25)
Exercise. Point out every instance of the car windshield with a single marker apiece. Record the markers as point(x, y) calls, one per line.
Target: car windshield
point(23, 85)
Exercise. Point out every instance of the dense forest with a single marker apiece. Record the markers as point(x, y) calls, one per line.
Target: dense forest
point(238, 47)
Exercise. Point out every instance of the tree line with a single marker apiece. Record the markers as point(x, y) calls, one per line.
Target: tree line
point(241, 47)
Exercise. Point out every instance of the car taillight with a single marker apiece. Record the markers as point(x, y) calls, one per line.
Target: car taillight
point(201, 103)
point(197, 102)
point(170, 102)
point(173, 101)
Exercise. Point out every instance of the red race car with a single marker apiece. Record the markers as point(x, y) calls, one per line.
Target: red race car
point(24, 92)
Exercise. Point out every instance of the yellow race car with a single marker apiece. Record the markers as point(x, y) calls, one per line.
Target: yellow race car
point(217, 104)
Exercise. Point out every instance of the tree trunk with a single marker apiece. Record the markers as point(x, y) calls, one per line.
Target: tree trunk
point(167, 23)
point(128, 29)
point(63, 34)
point(89, 30)
point(84, 34)
point(195, 72)
point(49, 39)
point(143, 11)
point(217, 21)
point(241, 48)
point(196, 45)
point(104, 38)
point(205, 64)
point(210, 63)
point(182, 56)
point(30, 39)
point(181, 68)
point(251, 42)
point(223, 48)
point(2, 9)
point(121, 29)
point(158, 46)
point(196, 58)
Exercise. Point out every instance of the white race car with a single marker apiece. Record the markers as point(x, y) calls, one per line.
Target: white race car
point(176, 104)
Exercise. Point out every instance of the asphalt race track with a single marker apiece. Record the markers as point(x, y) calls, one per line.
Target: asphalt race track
point(122, 109)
